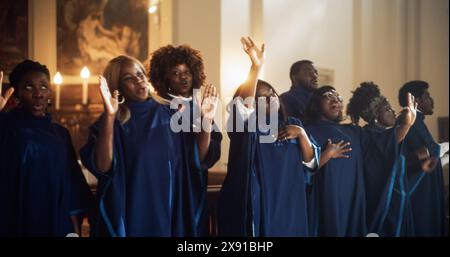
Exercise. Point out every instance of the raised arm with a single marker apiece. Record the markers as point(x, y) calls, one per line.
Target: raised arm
point(257, 56)
point(8, 93)
point(406, 118)
point(208, 107)
point(104, 144)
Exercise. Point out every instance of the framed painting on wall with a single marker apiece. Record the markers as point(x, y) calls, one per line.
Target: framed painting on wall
point(13, 33)
point(92, 32)
point(326, 77)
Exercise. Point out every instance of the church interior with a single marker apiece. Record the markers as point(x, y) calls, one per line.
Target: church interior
point(388, 42)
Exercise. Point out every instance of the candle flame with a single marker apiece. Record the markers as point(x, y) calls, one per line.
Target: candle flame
point(58, 79)
point(85, 74)
point(153, 9)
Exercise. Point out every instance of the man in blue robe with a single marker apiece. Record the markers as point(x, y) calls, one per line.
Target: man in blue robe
point(42, 189)
point(425, 188)
point(303, 76)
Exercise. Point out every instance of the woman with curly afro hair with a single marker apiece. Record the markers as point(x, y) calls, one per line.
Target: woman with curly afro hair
point(368, 103)
point(176, 71)
point(177, 74)
point(149, 176)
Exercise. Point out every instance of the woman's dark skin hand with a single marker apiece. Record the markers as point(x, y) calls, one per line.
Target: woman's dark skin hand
point(293, 131)
point(337, 150)
point(289, 132)
point(333, 151)
point(104, 146)
point(429, 164)
point(407, 118)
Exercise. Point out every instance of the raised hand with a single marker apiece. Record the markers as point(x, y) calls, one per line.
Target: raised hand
point(110, 102)
point(409, 113)
point(8, 93)
point(257, 56)
point(338, 150)
point(209, 102)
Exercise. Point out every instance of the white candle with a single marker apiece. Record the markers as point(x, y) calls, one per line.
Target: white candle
point(57, 79)
point(85, 74)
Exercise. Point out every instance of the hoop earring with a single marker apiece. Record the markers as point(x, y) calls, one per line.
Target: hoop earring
point(49, 102)
point(121, 100)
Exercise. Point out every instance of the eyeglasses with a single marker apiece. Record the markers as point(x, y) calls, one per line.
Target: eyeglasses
point(330, 96)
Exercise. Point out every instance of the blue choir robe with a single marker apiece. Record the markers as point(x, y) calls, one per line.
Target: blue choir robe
point(388, 205)
point(339, 189)
point(296, 100)
point(264, 190)
point(41, 183)
point(155, 185)
point(425, 189)
point(198, 178)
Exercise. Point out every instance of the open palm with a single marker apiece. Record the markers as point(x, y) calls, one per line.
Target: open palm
point(209, 102)
point(337, 150)
point(409, 113)
point(256, 55)
point(110, 102)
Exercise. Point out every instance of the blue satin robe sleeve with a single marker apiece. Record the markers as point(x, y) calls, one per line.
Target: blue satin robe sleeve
point(314, 144)
point(234, 207)
point(87, 152)
point(197, 179)
point(384, 169)
point(82, 199)
point(110, 202)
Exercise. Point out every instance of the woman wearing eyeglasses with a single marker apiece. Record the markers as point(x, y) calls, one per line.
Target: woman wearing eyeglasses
point(339, 189)
point(270, 162)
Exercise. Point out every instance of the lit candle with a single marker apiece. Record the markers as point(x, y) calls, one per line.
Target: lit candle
point(57, 79)
point(85, 74)
point(153, 9)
